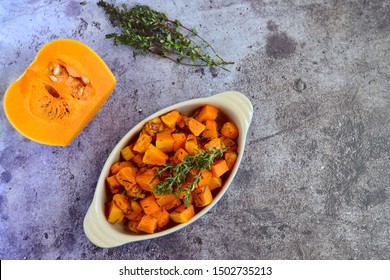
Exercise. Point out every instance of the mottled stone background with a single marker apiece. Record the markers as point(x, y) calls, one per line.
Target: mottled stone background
point(314, 181)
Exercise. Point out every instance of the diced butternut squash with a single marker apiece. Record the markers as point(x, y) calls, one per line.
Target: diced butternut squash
point(136, 192)
point(114, 213)
point(211, 130)
point(205, 177)
point(123, 203)
point(127, 153)
point(154, 156)
point(133, 223)
point(138, 160)
point(179, 140)
point(137, 210)
point(179, 156)
point(136, 206)
point(147, 224)
point(164, 199)
point(146, 178)
point(126, 177)
point(113, 184)
point(182, 214)
point(191, 145)
point(149, 204)
point(164, 141)
point(219, 168)
point(142, 142)
point(195, 127)
point(214, 144)
point(230, 144)
point(230, 158)
point(214, 183)
point(229, 129)
point(171, 119)
point(162, 217)
point(133, 216)
point(172, 204)
point(154, 126)
point(208, 112)
point(202, 196)
point(182, 122)
point(119, 165)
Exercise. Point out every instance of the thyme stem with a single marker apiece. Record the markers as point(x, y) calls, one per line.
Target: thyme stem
point(151, 31)
point(180, 173)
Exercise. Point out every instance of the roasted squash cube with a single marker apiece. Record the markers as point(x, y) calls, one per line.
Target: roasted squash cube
point(137, 210)
point(202, 196)
point(175, 202)
point(142, 142)
point(164, 141)
point(230, 158)
point(194, 126)
point(123, 203)
point(138, 160)
point(162, 217)
point(154, 156)
point(205, 177)
point(229, 143)
point(229, 129)
point(219, 168)
point(179, 140)
point(211, 130)
point(127, 153)
point(179, 156)
point(113, 212)
point(171, 119)
point(214, 183)
point(182, 214)
point(214, 144)
point(113, 184)
point(154, 126)
point(146, 178)
point(208, 112)
point(136, 192)
point(133, 223)
point(136, 206)
point(147, 224)
point(164, 199)
point(149, 204)
point(191, 144)
point(114, 169)
point(126, 177)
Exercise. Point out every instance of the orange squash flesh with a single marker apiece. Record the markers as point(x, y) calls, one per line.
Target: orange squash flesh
point(158, 208)
point(59, 92)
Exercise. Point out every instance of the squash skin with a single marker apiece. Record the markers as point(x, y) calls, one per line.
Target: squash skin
point(25, 98)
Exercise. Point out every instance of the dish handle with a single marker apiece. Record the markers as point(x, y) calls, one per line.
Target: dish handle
point(241, 104)
point(98, 232)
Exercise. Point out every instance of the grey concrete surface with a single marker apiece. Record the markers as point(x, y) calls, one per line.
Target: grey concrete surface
point(314, 181)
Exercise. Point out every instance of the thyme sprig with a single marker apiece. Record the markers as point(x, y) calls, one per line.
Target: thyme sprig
point(180, 173)
point(151, 31)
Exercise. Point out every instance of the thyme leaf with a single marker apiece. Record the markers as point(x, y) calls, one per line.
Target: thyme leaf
point(150, 31)
point(180, 173)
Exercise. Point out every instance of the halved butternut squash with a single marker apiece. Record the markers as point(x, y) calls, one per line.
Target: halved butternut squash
point(59, 92)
